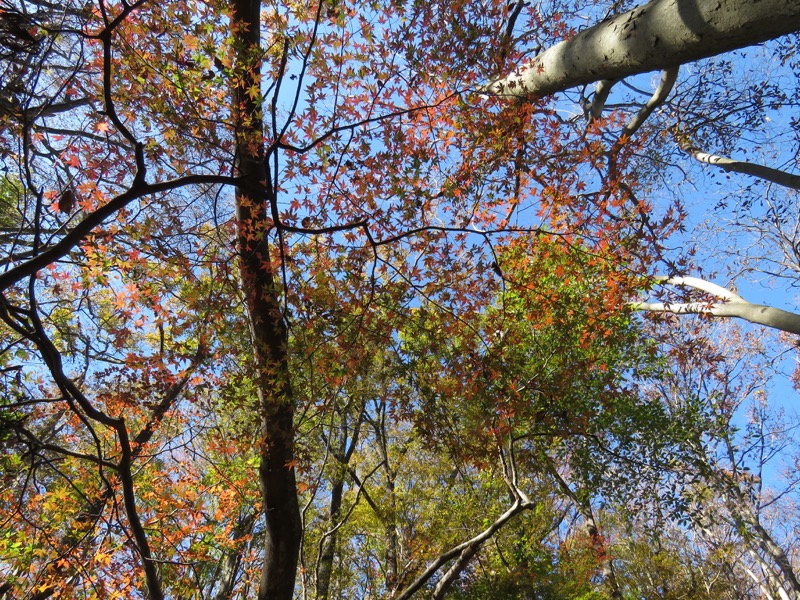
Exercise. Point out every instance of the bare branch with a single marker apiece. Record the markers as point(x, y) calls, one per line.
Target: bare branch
point(789, 180)
point(665, 85)
point(465, 550)
point(601, 93)
point(94, 219)
point(732, 305)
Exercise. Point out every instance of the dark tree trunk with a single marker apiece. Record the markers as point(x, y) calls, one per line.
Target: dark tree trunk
point(267, 325)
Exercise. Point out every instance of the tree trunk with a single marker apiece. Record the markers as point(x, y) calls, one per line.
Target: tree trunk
point(268, 328)
point(389, 519)
point(655, 36)
point(342, 453)
point(605, 561)
point(231, 562)
point(747, 520)
point(327, 550)
point(328, 547)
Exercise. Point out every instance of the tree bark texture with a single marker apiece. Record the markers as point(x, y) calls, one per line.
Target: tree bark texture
point(657, 35)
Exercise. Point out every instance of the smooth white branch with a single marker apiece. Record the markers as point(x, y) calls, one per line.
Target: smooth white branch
point(783, 178)
point(665, 85)
point(655, 36)
point(466, 549)
point(731, 305)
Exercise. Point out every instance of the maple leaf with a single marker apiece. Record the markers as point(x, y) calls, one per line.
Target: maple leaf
point(72, 160)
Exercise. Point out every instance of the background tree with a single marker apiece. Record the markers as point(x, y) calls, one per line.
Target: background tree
point(732, 480)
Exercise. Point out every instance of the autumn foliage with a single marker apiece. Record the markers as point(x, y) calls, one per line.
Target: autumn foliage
point(291, 307)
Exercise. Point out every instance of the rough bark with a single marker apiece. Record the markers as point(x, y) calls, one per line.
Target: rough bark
point(268, 328)
point(655, 36)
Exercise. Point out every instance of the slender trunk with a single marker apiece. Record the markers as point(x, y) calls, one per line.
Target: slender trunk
point(342, 453)
point(747, 520)
point(231, 563)
point(773, 580)
point(268, 328)
point(605, 561)
point(392, 572)
point(328, 548)
point(389, 517)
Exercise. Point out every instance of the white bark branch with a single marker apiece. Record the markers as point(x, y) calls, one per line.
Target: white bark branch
point(732, 305)
point(655, 36)
point(783, 178)
point(702, 285)
point(465, 547)
point(601, 93)
point(665, 85)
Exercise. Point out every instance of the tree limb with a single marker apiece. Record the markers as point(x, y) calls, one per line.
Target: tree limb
point(732, 305)
point(601, 93)
point(78, 233)
point(657, 35)
point(783, 178)
point(460, 549)
point(665, 85)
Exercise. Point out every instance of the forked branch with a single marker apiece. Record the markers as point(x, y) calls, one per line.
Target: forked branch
point(730, 304)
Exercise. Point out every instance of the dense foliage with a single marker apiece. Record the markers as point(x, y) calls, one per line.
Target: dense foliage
point(292, 306)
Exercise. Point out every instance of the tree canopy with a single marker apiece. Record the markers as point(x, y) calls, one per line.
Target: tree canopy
point(343, 299)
